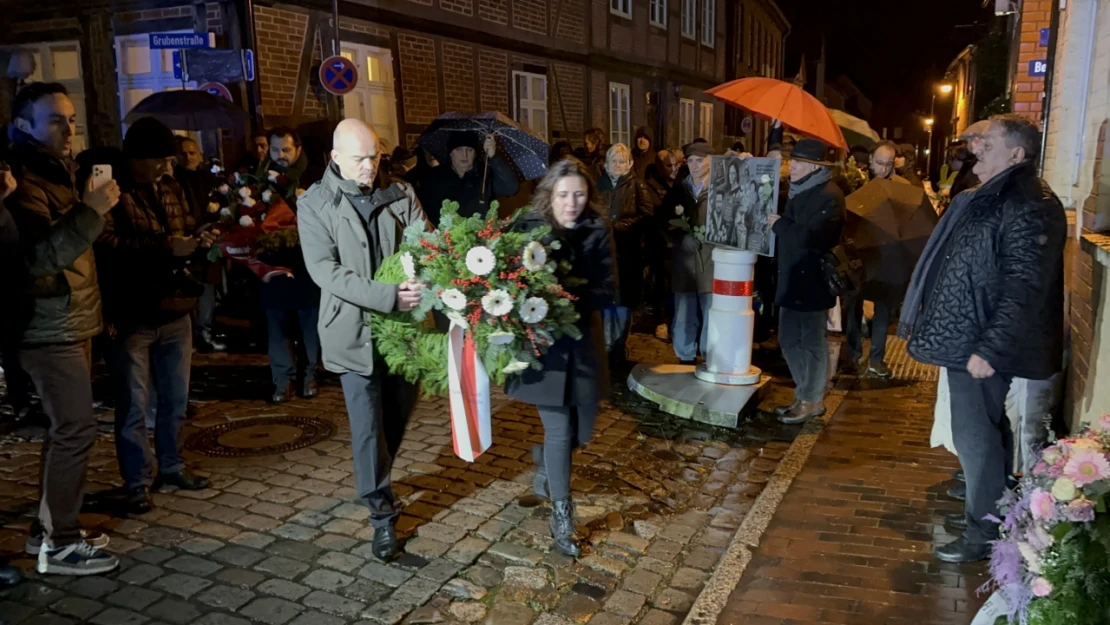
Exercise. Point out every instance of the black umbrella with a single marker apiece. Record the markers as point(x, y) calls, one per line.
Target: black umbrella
point(889, 223)
point(526, 151)
point(191, 110)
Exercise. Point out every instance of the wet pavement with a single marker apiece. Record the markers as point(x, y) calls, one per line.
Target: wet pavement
point(278, 538)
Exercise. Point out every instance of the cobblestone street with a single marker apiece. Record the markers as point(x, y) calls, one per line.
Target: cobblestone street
point(277, 538)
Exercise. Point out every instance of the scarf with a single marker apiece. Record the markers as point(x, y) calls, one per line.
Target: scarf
point(820, 177)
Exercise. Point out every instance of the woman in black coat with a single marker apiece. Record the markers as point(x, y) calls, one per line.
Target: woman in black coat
point(574, 377)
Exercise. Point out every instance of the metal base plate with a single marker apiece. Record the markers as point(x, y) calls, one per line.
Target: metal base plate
point(732, 379)
point(675, 389)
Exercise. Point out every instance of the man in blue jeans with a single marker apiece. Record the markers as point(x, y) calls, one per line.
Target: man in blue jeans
point(148, 298)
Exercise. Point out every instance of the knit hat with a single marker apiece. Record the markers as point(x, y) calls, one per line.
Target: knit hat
point(149, 138)
point(462, 139)
point(697, 148)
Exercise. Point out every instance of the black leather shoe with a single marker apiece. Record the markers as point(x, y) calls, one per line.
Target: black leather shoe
point(959, 475)
point(281, 396)
point(183, 479)
point(781, 410)
point(310, 390)
point(963, 550)
point(139, 502)
point(539, 482)
point(10, 576)
point(562, 528)
point(958, 492)
point(956, 522)
point(385, 542)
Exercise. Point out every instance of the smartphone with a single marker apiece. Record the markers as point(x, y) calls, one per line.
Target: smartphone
point(101, 174)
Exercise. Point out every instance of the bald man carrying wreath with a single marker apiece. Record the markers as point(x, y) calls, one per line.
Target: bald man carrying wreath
point(349, 223)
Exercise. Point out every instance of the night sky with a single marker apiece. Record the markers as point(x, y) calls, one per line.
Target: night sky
point(894, 50)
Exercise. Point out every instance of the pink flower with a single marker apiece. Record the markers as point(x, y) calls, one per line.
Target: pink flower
point(1080, 511)
point(1043, 505)
point(1104, 422)
point(1041, 587)
point(1041, 468)
point(1087, 466)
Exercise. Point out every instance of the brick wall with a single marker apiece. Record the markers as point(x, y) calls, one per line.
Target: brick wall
point(570, 82)
point(493, 80)
point(599, 13)
point(366, 28)
point(599, 101)
point(620, 38)
point(155, 14)
point(214, 17)
point(61, 23)
point(462, 7)
point(315, 97)
point(496, 11)
point(569, 19)
point(280, 36)
point(458, 77)
point(418, 78)
point(1028, 90)
point(530, 16)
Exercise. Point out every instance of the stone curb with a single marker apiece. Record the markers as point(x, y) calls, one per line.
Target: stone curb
point(713, 598)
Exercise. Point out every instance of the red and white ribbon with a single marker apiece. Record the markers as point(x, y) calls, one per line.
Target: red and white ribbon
point(471, 427)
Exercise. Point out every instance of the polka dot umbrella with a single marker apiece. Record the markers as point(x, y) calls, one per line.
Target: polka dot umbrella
point(526, 152)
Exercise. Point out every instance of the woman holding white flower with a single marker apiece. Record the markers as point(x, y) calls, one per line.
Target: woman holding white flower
point(574, 377)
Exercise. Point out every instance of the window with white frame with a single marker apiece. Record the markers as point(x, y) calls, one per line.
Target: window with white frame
point(530, 102)
point(708, 22)
point(620, 114)
point(622, 8)
point(685, 121)
point(658, 13)
point(705, 121)
point(60, 61)
point(689, 18)
point(141, 71)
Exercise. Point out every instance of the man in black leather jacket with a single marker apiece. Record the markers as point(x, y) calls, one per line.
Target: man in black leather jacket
point(987, 302)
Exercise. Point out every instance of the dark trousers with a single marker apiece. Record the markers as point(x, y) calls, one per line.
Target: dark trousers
point(152, 366)
point(282, 329)
point(853, 328)
point(565, 428)
point(805, 346)
point(378, 407)
point(61, 373)
point(985, 445)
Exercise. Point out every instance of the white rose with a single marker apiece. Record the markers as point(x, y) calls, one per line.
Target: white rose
point(225, 212)
point(678, 210)
point(216, 169)
point(246, 221)
point(248, 202)
point(765, 179)
point(497, 302)
point(266, 195)
point(480, 261)
point(272, 175)
point(244, 192)
point(453, 299)
point(533, 310)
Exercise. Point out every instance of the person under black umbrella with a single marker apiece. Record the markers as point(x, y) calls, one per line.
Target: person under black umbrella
point(462, 179)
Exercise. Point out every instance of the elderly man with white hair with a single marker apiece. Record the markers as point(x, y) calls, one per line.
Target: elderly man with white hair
point(349, 223)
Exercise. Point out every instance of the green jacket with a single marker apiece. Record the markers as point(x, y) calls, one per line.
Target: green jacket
point(56, 234)
point(336, 251)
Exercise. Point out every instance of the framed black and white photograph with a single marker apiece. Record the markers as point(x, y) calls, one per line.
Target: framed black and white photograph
point(742, 194)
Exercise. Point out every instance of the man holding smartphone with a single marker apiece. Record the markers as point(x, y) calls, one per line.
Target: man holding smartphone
point(148, 298)
point(57, 225)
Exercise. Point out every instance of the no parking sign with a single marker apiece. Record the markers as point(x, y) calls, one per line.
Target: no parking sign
point(338, 75)
point(216, 89)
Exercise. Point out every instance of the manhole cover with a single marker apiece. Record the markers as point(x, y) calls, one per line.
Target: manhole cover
point(260, 436)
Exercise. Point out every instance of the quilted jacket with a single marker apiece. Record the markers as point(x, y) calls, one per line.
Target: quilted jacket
point(999, 292)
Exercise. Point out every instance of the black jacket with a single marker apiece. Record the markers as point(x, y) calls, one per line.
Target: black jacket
point(806, 232)
point(999, 290)
point(575, 373)
point(629, 213)
point(197, 185)
point(442, 183)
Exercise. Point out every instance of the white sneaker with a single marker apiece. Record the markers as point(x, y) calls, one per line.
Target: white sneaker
point(80, 558)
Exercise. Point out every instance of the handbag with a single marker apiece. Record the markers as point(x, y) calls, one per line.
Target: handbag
point(841, 270)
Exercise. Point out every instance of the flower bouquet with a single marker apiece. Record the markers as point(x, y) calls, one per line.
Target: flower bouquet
point(1052, 564)
point(487, 276)
point(254, 217)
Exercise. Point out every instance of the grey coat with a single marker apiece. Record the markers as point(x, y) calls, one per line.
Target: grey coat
point(337, 254)
point(575, 373)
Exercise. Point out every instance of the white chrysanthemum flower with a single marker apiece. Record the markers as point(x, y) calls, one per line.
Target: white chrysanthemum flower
point(534, 256)
point(225, 212)
point(514, 367)
point(533, 310)
point(216, 169)
point(500, 338)
point(272, 175)
point(267, 195)
point(246, 221)
point(224, 189)
point(453, 299)
point(213, 207)
point(480, 261)
point(244, 192)
point(408, 265)
point(497, 302)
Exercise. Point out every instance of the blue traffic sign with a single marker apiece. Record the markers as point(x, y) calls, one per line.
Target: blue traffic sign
point(178, 69)
point(338, 75)
point(248, 64)
point(179, 41)
point(1038, 67)
point(1043, 41)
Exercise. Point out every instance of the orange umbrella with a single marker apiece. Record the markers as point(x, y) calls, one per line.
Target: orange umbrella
point(785, 102)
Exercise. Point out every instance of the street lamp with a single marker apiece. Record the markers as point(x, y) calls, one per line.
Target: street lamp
point(945, 88)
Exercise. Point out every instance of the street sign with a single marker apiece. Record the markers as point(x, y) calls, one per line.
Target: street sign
point(248, 64)
point(1043, 41)
point(1038, 67)
point(338, 75)
point(746, 125)
point(216, 89)
point(179, 41)
point(178, 69)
